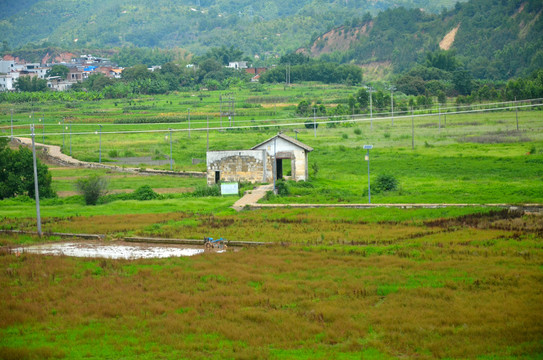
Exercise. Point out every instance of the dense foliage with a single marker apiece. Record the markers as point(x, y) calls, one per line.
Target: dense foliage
point(494, 39)
point(325, 72)
point(17, 173)
point(264, 27)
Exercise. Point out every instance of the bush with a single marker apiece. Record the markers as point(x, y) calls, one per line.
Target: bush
point(202, 191)
point(282, 188)
point(144, 192)
point(92, 188)
point(357, 131)
point(311, 125)
point(386, 182)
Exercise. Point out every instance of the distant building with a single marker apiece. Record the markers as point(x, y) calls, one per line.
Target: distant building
point(7, 66)
point(56, 83)
point(6, 82)
point(238, 65)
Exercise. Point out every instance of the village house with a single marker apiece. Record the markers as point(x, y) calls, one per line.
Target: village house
point(238, 65)
point(280, 157)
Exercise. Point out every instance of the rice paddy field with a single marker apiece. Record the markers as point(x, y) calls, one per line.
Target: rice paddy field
point(334, 283)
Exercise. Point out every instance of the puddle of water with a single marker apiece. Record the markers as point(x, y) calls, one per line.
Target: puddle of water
point(109, 251)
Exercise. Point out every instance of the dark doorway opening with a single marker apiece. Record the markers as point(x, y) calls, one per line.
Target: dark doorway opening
point(279, 168)
point(217, 177)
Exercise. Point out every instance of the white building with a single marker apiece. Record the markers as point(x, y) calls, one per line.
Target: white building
point(6, 82)
point(237, 65)
point(7, 66)
point(279, 157)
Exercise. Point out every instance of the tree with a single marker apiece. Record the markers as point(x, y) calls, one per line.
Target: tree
point(17, 173)
point(303, 108)
point(294, 59)
point(463, 82)
point(362, 98)
point(58, 70)
point(30, 84)
point(137, 72)
point(92, 188)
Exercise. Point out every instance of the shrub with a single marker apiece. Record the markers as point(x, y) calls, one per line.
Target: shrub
point(92, 188)
point(386, 182)
point(315, 168)
point(311, 125)
point(358, 131)
point(345, 136)
point(144, 192)
point(113, 153)
point(282, 188)
point(202, 191)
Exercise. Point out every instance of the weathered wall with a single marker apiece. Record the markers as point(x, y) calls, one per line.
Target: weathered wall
point(240, 165)
point(286, 150)
point(299, 166)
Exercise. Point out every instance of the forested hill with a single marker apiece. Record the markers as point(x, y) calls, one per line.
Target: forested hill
point(492, 39)
point(265, 27)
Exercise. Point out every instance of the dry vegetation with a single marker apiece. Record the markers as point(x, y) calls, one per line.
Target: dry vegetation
point(466, 287)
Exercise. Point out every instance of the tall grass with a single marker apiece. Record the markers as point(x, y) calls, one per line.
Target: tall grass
point(449, 294)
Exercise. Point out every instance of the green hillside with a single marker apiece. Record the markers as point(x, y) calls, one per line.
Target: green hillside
point(492, 39)
point(263, 27)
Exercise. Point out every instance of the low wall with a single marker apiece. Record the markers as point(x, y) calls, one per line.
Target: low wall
point(53, 154)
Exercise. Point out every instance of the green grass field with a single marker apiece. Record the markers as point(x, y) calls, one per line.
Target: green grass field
point(350, 285)
point(450, 283)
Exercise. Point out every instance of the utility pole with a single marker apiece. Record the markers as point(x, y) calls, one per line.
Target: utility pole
point(70, 139)
point(63, 133)
point(516, 111)
point(207, 132)
point(36, 189)
point(11, 124)
point(368, 148)
point(412, 129)
point(189, 120)
point(100, 156)
point(171, 150)
point(392, 88)
point(274, 164)
point(370, 89)
point(233, 112)
point(220, 108)
point(371, 108)
point(439, 111)
point(314, 121)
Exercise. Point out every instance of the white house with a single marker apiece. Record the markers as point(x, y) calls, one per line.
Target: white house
point(237, 65)
point(278, 157)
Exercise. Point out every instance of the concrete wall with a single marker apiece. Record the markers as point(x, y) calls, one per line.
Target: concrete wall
point(238, 165)
point(286, 150)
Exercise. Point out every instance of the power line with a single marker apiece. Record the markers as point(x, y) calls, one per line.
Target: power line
point(339, 119)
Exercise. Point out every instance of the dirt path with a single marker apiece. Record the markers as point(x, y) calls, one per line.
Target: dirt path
point(251, 197)
point(54, 154)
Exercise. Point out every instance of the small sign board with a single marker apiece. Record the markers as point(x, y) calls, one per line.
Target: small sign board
point(229, 188)
point(368, 147)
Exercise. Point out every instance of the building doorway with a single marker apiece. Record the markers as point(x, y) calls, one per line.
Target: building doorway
point(217, 177)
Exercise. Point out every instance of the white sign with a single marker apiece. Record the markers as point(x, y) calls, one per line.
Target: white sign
point(229, 188)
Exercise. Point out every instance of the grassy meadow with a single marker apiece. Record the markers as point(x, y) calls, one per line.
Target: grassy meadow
point(423, 287)
point(336, 283)
point(454, 157)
